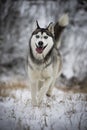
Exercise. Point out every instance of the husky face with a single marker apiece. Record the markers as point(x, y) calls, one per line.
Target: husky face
point(41, 43)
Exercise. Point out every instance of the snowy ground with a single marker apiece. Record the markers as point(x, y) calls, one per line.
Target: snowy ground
point(63, 111)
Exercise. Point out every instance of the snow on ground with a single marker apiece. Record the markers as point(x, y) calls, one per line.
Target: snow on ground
point(62, 111)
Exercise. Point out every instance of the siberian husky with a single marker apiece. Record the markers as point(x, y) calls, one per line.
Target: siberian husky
point(44, 59)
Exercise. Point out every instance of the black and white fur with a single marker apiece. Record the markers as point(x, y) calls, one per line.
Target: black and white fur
point(44, 59)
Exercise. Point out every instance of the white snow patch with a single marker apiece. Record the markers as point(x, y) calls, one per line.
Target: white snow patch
point(63, 111)
point(68, 68)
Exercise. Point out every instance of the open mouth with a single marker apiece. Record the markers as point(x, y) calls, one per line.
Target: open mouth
point(40, 49)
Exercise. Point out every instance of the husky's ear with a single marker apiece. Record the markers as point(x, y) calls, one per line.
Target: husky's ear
point(51, 28)
point(64, 20)
point(37, 25)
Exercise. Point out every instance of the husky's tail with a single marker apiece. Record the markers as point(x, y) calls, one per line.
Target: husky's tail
point(59, 27)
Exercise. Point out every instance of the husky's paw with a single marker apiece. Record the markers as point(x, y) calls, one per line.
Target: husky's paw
point(34, 103)
point(49, 93)
point(39, 102)
point(40, 99)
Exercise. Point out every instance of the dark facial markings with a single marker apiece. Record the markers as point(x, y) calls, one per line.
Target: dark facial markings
point(45, 37)
point(42, 30)
point(37, 36)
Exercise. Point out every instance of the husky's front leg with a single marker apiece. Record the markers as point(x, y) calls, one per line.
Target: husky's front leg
point(50, 90)
point(44, 89)
point(34, 93)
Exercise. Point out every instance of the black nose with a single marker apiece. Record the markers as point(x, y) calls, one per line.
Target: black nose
point(40, 43)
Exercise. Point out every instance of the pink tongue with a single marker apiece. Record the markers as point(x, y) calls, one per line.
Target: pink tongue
point(39, 50)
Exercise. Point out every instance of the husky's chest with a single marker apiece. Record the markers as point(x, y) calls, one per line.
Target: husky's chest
point(40, 74)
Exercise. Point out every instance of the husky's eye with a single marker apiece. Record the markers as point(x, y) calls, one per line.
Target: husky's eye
point(45, 37)
point(37, 36)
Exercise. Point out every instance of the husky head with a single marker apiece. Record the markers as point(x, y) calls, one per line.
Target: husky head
point(42, 42)
point(42, 39)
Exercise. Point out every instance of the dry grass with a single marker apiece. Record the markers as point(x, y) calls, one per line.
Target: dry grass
point(7, 87)
point(75, 89)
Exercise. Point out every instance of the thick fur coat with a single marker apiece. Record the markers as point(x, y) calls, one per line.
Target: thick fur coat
point(44, 59)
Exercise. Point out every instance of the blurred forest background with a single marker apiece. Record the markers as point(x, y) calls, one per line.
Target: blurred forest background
point(17, 21)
